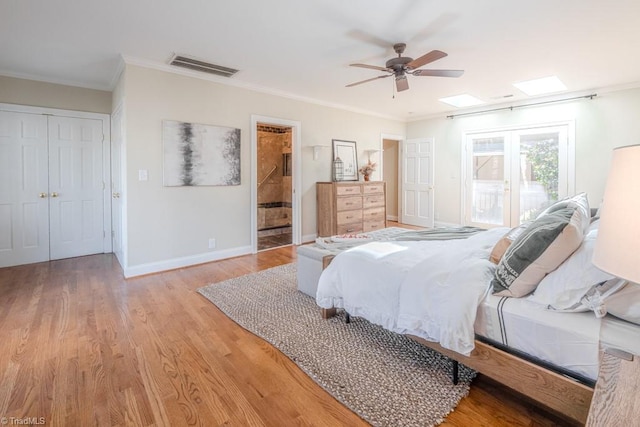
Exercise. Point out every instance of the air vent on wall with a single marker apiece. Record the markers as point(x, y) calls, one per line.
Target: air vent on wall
point(205, 67)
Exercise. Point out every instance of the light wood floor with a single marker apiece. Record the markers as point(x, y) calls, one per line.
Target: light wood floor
point(81, 346)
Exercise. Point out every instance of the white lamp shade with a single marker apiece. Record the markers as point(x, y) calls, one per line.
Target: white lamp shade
point(617, 248)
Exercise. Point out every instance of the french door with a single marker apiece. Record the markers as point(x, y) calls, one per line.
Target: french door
point(512, 175)
point(51, 187)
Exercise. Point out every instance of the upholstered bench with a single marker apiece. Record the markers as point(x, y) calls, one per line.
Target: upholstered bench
point(313, 258)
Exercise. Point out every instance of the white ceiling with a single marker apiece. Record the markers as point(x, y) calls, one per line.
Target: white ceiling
point(304, 47)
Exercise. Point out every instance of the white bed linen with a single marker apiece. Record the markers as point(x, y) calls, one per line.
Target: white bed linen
point(426, 288)
point(567, 340)
point(620, 334)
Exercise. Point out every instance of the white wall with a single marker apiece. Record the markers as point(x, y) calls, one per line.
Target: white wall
point(50, 95)
point(610, 120)
point(169, 223)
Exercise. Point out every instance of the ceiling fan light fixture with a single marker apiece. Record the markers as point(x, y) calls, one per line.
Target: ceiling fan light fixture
point(461, 101)
point(401, 82)
point(541, 86)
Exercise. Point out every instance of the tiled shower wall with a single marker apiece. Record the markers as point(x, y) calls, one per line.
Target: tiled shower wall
point(274, 195)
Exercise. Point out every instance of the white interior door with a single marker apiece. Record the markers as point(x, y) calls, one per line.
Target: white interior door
point(24, 203)
point(417, 182)
point(76, 187)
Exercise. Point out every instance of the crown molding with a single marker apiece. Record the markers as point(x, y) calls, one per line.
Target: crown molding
point(230, 81)
point(63, 82)
point(522, 102)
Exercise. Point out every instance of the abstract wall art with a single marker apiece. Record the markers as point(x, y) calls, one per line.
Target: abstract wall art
point(197, 154)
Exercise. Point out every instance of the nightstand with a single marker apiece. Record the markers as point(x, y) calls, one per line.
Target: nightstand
point(616, 396)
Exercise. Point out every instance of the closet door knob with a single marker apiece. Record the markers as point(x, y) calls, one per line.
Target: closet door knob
point(54, 194)
point(42, 195)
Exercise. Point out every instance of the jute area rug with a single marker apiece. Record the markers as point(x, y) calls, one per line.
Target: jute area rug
point(385, 378)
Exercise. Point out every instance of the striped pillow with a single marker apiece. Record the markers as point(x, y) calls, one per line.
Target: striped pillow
point(541, 248)
point(503, 244)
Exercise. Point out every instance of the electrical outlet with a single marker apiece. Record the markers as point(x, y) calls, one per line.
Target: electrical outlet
point(212, 243)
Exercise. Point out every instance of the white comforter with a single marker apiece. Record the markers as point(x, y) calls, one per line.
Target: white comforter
point(427, 288)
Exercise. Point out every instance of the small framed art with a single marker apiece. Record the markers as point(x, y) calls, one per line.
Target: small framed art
point(348, 153)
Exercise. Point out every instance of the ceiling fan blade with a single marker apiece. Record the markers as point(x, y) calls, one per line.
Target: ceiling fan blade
point(368, 80)
point(439, 73)
point(368, 38)
point(434, 55)
point(402, 83)
point(373, 67)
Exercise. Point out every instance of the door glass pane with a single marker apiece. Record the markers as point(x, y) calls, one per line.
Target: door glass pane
point(488, 181)
point(538, 173)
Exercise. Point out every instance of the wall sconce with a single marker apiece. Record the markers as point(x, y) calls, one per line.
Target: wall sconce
point(316, 150)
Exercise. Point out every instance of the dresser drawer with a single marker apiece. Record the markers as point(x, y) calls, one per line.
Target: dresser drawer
point(373, 214)
point(348, 203)
point(373, 201)
point(347, 217)
point(373, 188)
point(373, 225)
point(349, 228)
point(347, 190)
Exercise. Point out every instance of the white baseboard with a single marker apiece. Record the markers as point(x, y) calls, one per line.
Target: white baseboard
point(170, 264)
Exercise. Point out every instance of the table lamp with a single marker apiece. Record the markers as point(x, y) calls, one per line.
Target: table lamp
point(617, 252)
point(617, 249)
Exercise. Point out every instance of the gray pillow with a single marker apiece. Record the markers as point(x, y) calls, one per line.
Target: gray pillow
point(542, 247)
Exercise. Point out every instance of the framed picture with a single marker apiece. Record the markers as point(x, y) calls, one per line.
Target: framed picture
point(197, 154)
point(348, 153)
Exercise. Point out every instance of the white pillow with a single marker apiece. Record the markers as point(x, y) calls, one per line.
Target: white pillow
point(625, 303)
point(564, 287)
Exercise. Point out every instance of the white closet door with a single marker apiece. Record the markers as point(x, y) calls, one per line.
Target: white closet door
point(75, 187)
point(24, 204)
point(417, 182)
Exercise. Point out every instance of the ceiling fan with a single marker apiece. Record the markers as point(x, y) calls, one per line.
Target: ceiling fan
point(403, 65)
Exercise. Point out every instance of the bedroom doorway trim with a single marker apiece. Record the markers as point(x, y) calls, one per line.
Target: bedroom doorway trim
point(386, 171)
point(296, 178)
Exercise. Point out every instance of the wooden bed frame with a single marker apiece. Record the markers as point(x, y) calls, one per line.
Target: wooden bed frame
point(555, 391)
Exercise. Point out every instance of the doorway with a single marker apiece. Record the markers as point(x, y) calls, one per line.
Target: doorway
point(274, 186)
point(275, 179)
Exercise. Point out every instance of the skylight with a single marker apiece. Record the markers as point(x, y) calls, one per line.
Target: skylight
point(541, 86)
point(464, 100)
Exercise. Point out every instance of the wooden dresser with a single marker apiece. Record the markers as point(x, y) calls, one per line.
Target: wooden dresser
point(350, 207)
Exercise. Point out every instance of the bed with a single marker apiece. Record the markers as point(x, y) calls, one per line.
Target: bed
point(538, 333)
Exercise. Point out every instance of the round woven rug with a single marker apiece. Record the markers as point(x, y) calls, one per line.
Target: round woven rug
point(386, 378)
